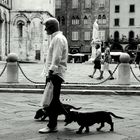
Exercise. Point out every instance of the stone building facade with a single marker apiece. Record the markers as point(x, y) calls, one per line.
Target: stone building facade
point(28, 38)
point(76, 18)
point(5, 6)
point(119, 21)
point(124, 20)
point(22, 30)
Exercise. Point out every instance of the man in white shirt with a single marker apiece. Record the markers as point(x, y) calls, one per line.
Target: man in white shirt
point(55, 67)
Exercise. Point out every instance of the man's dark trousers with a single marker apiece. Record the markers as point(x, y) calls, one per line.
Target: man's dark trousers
point(55, 106)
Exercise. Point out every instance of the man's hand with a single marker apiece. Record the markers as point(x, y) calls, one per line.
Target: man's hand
point(50, 74)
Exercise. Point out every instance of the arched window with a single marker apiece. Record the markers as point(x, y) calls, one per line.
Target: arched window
point(131, 35)
point(20, 25)
point(85, 20)
point(99, 19)
point(104, 19)
point(116, 36)
point(77, 20)
point(73, 20)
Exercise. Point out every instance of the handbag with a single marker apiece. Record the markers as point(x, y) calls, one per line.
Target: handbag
point(47, 95)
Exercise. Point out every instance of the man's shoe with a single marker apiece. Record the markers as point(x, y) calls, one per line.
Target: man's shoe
point(90, 76)
point(111, 78)
point(47, 130)
point(99, 78)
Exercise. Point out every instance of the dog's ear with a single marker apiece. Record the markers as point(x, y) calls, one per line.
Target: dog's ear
point(74, 116)
point(68, 118)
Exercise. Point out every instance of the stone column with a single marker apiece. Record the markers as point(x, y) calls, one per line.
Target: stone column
point(124, 69)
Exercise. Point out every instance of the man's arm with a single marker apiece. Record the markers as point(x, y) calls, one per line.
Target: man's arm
point(57, 54)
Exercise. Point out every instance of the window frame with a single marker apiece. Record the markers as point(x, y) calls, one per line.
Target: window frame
point(75, 36)
point(132, 8)
point(85, 20)
point(102, 35)
point(117, 8)
point(131, 21)
point(87, 36)
point(116, 22)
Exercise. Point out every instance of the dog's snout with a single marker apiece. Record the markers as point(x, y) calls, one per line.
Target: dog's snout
point(66, 124)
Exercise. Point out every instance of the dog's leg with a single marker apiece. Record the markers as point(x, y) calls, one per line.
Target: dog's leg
point(87, 129)
point(80, 130)
point(43, 118)
point(112, 126)
point(102, 125)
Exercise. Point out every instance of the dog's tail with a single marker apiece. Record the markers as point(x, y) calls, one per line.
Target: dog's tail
point(115, 115)
point(76, 108)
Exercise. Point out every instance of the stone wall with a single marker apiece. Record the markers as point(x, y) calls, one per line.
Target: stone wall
point(28, 38)
point(4, 32)
point(27, 35)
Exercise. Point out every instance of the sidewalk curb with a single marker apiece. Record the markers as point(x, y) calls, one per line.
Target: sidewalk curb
point(70, 88)
point(73, 91)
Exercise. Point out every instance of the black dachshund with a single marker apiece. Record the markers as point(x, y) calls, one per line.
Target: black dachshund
point(90, 118)
point(44, 112)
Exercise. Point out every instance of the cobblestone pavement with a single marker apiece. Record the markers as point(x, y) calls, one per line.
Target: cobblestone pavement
point(76, 73)
point(18, 109)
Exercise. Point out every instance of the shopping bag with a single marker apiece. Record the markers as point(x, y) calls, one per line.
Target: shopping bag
point(47, 95)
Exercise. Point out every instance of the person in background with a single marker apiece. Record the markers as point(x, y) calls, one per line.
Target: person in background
point(55, 68)
point(137, 58)
point(106, 62)
point(97, 61)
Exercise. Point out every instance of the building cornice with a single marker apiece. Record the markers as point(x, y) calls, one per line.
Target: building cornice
point(5, 6)
point(32, 11)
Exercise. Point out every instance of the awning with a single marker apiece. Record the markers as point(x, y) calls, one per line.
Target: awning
point(78, 54)
point(114, 53)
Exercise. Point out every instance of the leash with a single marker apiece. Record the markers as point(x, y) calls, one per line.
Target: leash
point(64, 108)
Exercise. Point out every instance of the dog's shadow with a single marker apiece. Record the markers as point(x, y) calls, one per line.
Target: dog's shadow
point(40, 120)
point(72, 133)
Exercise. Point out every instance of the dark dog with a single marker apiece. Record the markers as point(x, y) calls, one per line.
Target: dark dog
point(44, 112)
point(90, 118)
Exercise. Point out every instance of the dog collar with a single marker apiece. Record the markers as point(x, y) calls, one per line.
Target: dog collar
point(43, 110)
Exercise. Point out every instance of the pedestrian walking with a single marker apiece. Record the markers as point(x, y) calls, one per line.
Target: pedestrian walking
point(97, 60)
point(106, 61)
point(55, 67)
point(137, 57)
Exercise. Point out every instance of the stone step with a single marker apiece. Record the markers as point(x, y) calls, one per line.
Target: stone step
point(72, 91)
point(73, 86)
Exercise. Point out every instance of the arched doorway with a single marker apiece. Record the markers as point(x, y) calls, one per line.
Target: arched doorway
point(131, 36)
point(116, 36)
